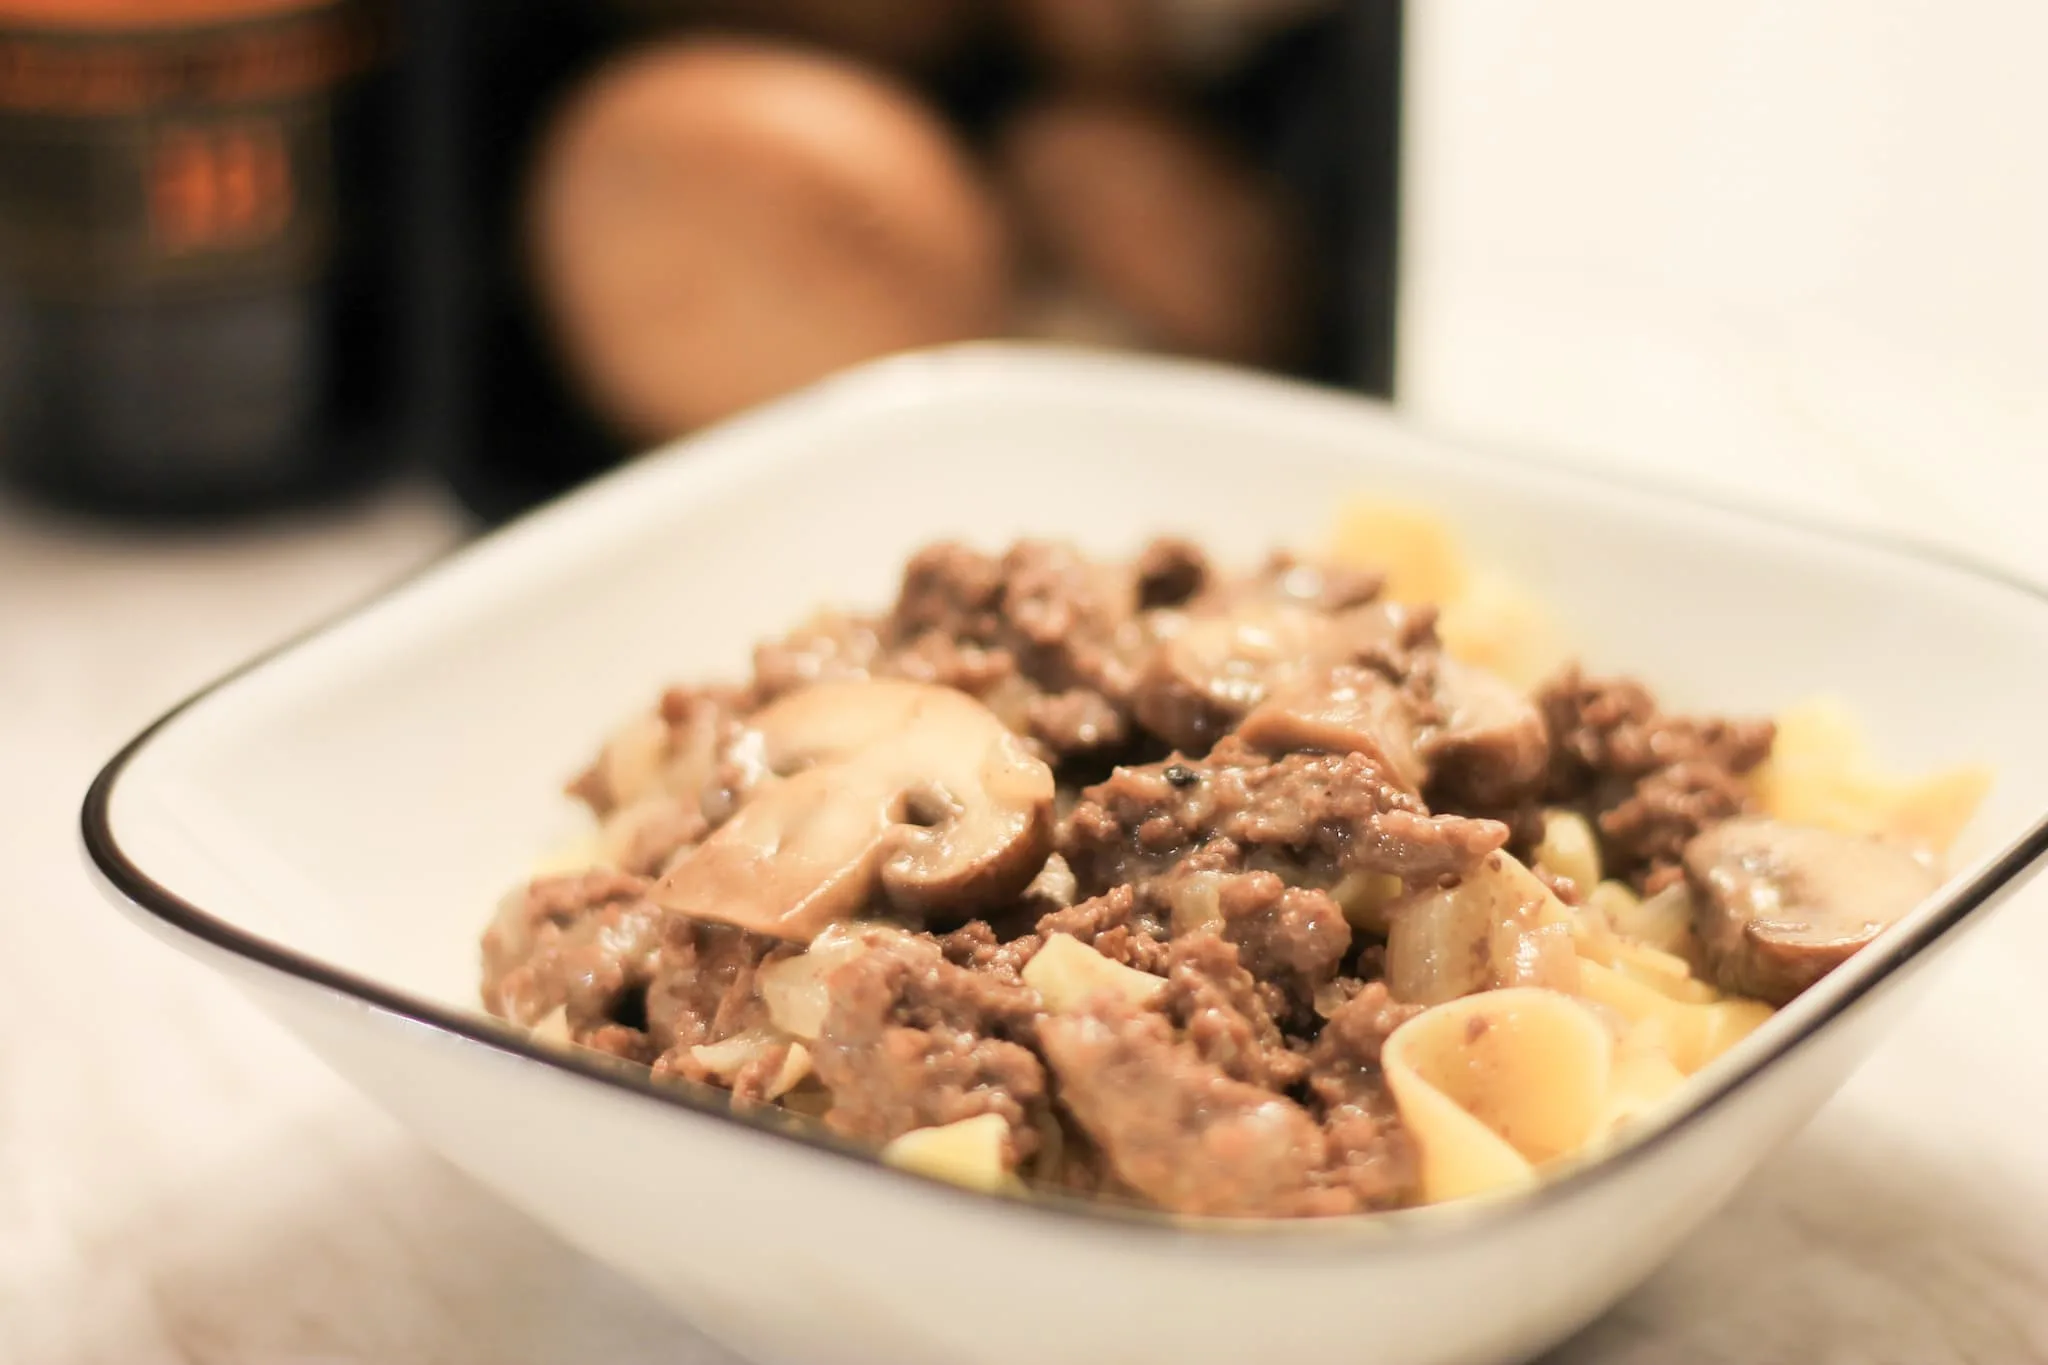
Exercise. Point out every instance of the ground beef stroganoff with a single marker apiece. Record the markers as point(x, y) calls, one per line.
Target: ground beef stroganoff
point(1284, 891)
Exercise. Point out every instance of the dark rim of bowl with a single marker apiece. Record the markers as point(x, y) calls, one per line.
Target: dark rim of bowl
point(1390, 1230)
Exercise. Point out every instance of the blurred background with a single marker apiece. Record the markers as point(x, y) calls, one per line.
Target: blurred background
point(258, 253)
point(296, 294)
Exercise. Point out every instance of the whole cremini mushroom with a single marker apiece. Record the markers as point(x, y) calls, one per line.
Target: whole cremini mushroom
point(1779, 906)
point(904, 794)
point(716, 221)
point(1159, 223)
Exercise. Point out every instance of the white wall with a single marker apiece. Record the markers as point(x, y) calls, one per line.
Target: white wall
point(1793, 247)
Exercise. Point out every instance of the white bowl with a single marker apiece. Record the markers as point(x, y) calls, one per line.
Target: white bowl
point(331, 826)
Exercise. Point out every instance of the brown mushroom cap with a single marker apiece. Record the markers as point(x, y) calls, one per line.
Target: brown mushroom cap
point(717, 221)
point(1492, 746)
point(1213, 668)
point(1345, 709)
point(1778, 906)
point(910, 792)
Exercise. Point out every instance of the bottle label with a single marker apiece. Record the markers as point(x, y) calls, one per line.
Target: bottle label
point(151, 148)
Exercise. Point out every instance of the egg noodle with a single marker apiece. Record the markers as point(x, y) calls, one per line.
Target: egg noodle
point(1581, 1024)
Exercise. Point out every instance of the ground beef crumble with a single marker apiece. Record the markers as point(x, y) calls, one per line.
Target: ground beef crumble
point(1650, 780)
point(1251, 1083)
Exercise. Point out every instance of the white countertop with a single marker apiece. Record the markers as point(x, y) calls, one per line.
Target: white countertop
point(180, 1182)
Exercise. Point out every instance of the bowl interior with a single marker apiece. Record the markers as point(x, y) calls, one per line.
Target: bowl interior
point(365, 796)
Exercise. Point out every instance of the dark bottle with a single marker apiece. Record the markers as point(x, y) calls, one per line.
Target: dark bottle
point(202, 297)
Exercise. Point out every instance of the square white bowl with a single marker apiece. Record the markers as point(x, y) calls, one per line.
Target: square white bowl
point(331, 826)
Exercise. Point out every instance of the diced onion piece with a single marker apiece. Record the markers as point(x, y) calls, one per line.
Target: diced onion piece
point(1068, 974)
point(1569, 849)
point(633, 757)
point(973, 1152)
point(1364, 898)
point(796, 1068)
point(1611, 901)
point(1499, 927)
point(552, 1028)
point(1195, 899)
point(726, 1058)
point(1663, 921)
point(794, 988)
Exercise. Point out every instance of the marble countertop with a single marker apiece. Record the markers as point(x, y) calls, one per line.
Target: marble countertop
point(180, 1182)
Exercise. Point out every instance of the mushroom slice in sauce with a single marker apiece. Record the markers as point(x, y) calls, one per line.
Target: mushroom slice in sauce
point(1492, 747)
point(1214, 667)
point(1346, 709)
point(1778, 906)
point(908, 792)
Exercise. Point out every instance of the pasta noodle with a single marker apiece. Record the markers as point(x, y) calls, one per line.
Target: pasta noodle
point(1332, 756)
point(969, 1153)
point(1483, 618)
point(1499, 1078)
point(1821, 773)
point(1497, 1085)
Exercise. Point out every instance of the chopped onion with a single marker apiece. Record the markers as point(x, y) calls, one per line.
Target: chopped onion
point(794, 988)
point(726, 1058)
point(1498, 927)
point(796, 1068)
point(633, 757)
point(1365, 897)
point(1196, 899)
point(1569, 848)
point(1439, 945)
point(553, 1028)
point(1663, 921)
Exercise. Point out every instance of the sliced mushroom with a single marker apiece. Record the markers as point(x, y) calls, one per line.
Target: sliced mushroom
point(913, 793)
point(1212, 668)
point(1491, 748)
point(1778, 906)
point(1346, 709)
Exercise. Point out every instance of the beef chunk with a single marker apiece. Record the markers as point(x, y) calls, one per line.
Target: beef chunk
point(1331, 813)
point(1370, 1155)
point(668, 751)
point(1651, 780)
point(1116, 924)
point(703, 989)
point(1225, 1014)
point(977, 947)
point(1291, 938)
point(1060, 631)
point(1178, 1129)
point(586, 943)
point(911, 1040)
